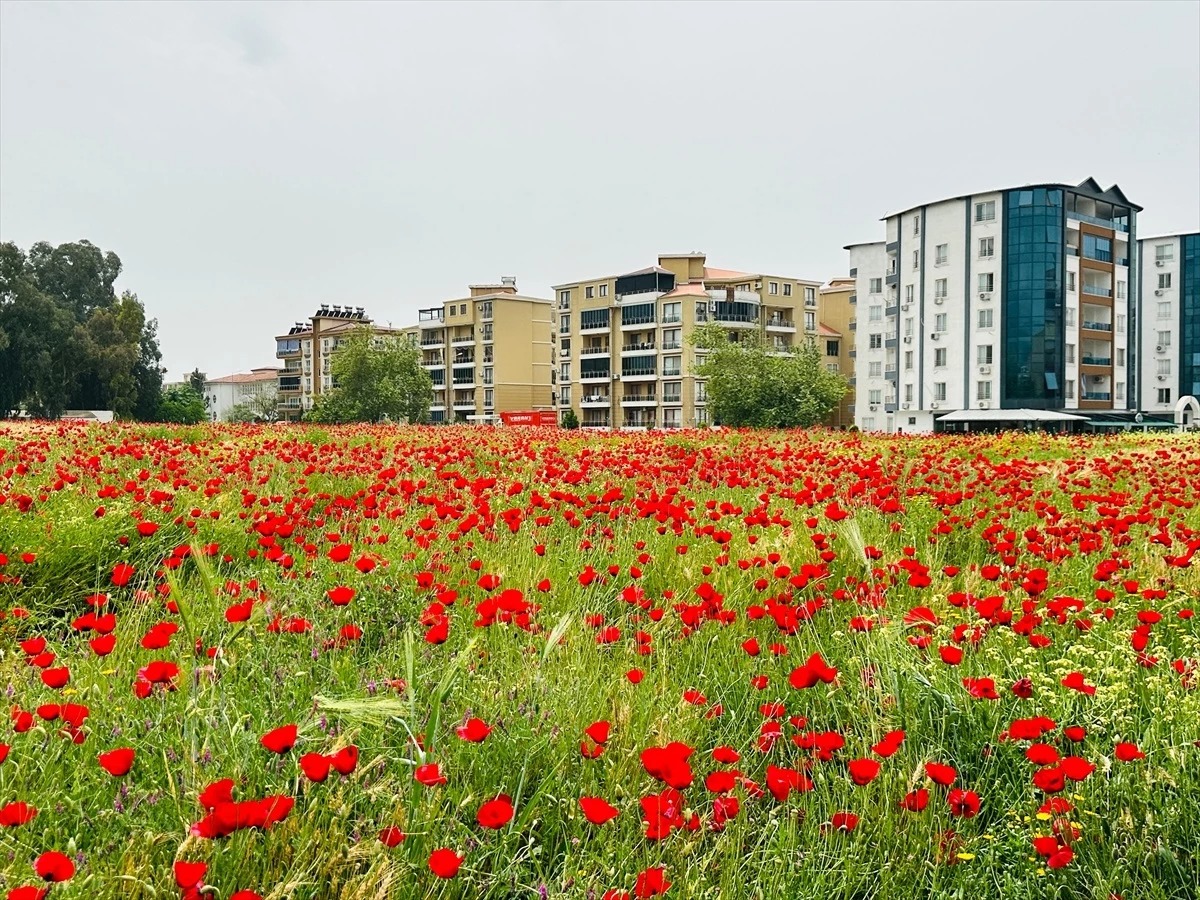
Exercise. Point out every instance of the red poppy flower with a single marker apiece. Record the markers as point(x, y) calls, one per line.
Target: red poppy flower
point(863, 771)
point(651, 883)
point(117, 762)
point(54, 866)
point(915, 801)
point(280, 740)
point(598, 810)
point(190, 875)
point(56, 678)
point(245, 895)
point(240, 612)
point(635, 676)
point(964, 804)
point(345, 760)
point(474, 730)
point(17, 813)
point(444, 863)
point(843, 821)
point(391, 836)
point(495, 813)
point(103, 644)
point(1075, 682)
point(1061, 859)
point(429, 775)
point(1128, 752)
point(889, 745)
point(598, 731)
point(940, 773)
point(122, 573)
point(315, 766)
point(340, 595)
point(28, 892)
point(216, 793)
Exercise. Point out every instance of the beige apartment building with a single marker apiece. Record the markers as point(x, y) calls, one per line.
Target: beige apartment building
point(623, 355)
point(837, 342)
point(306, 350)
point(488, 353)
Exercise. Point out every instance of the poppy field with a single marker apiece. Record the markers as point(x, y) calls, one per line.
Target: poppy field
point(457, 662)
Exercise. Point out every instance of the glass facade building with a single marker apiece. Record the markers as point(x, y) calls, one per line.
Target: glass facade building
point(1189, 316)
point(1033, 291)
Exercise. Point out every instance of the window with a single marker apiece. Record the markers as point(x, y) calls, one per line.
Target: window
point(986, 211)
point(908, 393)
point(1070, 316)
point(983, 390)
point(672, 418)
point(1069, 389)
point(564, 372)
point(1164, 252)
point(831, 348)
point(564, 299)
point(489, 397)
point(916, 226)
point(564, 395)
point(916, 259)
point(1070, 353)
point(672, 391)
point(875, 314)
point(1164, 339)
point(810, 321)
point(604, 290)
point(939, 288)
point(1164, 395)
point(672, 339)
point(701, 417)
point(985, 318)
point(671, 365)
point(908, 293)
point(810, 296)
point(1120, 357)
point(876, 286)
point(1164, 281)
point(1070, 282)
point(985, 282)
point(983, 354)
point(868, 423)
point(987, 247)
point(701, 392)
point(589, 292)
point(564, 324)
point(1120, 290)
point(787, 290)
point(1120, 324)
point(908, 360)
point(939, 322)
point(1164, 309)
point(908, 325)
point(1096, 247)
point(875, 396)
point(772, 287)
point(943, 251)
point(671, 313)
point(939, 357)
point(939, 391)
point(1120, 390)
point(875, 370)
point(1164, 366)
point(876, 341)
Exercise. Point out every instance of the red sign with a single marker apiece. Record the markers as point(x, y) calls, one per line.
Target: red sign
point(535, 417)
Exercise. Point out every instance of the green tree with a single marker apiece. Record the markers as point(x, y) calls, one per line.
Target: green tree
point(570, 420)
point(375, 378)
point(182, 405)
point(196, 379)
point(751, 385)
point(262, 407)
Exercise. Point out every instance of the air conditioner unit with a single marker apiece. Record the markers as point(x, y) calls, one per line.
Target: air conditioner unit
point(1162, 377)
point(1160, 263)
point(907, 405)
point(936, 336)
point(985, 370)
point(1158, 293)
point(933, 405)
point(986, 295)
point(983, 404)
point(906, 307)
point(616, 376)
point(939, 300)
point(874, 407)
point(908, 339)
point(758, 285)
point(1160, 349)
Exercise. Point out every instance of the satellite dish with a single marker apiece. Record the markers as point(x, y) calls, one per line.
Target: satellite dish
point(1138, 418)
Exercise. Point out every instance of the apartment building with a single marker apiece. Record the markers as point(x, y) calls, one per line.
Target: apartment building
point(224, 393)
point(623, 354)
point(488, 353)
point(306, 350)
point(1169, 324)
point(835, 336)
point(1017, 298)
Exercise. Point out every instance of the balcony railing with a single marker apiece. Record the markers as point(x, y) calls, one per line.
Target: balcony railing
point(1099, 255)
point(634, 371)
point(779, 322)
point(432, 341)
point(603, 373)
point(734, 317)
point(1096, 290)
point(672, 398)
point(1097, 395)
point(637, 345)
point(672, 345)
point(1097, 326)
point(637, 320)
point(595, 351)
point(1096, 220)
point(671, 320)
point(1096, 360)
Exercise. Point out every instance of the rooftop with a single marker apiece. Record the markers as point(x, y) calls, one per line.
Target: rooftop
point(1088, 186)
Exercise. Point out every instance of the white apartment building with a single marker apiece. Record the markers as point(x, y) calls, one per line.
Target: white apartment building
point(1012, 299)
point(222, 394)
point(1169, 324)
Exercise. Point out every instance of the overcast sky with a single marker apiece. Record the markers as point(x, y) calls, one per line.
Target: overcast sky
point(250, 161)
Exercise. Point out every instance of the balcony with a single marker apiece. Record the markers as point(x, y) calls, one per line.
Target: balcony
point(594, 376)
point(595, 401)
point(1097, 220)
point(673, 399)
point(634, 322)
point(672, 345)
point(1096, 395)
point(722, 295)
point(601, 350)
point(287, 348)
point(639, 400)
point(1096, 290)
point(1097, 326)
point(780, 323)
point(430, 318)
point(638, 347)
point(589, 325)
point(639, 373)
point(464, 382)
point(463, 339)
point(433, 340)
point(435, 361)
point(735, 320)
point(672, 320)
point(1096, 360)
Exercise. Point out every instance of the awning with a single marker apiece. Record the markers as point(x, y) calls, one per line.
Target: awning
point(1010, 415)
